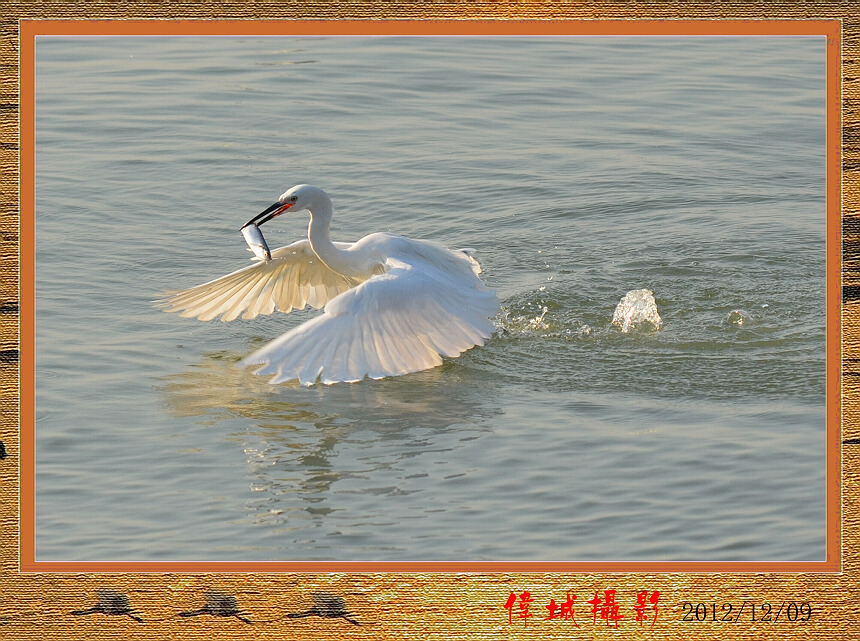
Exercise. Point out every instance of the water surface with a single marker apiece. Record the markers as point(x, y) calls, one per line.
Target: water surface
point(579, 168)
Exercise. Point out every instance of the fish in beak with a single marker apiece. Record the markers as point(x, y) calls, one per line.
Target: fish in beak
point(256, 242)
point(253, 235)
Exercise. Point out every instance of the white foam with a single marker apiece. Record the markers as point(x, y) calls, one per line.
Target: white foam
point(636, 309)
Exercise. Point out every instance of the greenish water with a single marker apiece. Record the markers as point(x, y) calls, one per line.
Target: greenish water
point(578, 168)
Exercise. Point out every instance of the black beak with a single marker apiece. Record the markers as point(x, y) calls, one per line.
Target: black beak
point(267, 214)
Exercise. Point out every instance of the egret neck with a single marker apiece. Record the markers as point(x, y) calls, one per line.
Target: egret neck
point(342, 261)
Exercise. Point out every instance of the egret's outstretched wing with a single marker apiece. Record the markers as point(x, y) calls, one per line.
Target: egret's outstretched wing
point(398, 322)
point(294, 277)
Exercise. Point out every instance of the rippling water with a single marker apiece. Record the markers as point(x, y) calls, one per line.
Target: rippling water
point(579, 168)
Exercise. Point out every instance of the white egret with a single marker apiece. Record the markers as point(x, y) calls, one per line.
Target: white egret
point(393, 305)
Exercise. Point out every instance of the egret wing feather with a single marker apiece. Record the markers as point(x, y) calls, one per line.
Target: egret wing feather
point(293, 279)
point(428, 303)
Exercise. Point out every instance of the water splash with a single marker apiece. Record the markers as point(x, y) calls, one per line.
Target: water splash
point(636, 309)
point(531, 320)
point(737, 317)
point(543, 319)
point(537, 322)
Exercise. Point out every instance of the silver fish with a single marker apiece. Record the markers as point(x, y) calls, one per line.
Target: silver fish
point(256, 242)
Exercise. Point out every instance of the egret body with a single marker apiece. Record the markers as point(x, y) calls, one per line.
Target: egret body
point(393, 305)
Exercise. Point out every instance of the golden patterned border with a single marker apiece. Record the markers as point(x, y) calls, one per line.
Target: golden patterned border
point(417, 604)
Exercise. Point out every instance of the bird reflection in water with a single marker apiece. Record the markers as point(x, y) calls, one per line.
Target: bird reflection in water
point(294, 443)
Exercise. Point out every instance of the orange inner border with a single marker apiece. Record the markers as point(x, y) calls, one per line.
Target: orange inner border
point(31, 29)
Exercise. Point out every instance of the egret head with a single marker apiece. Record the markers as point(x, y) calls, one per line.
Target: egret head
point(296, 198)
